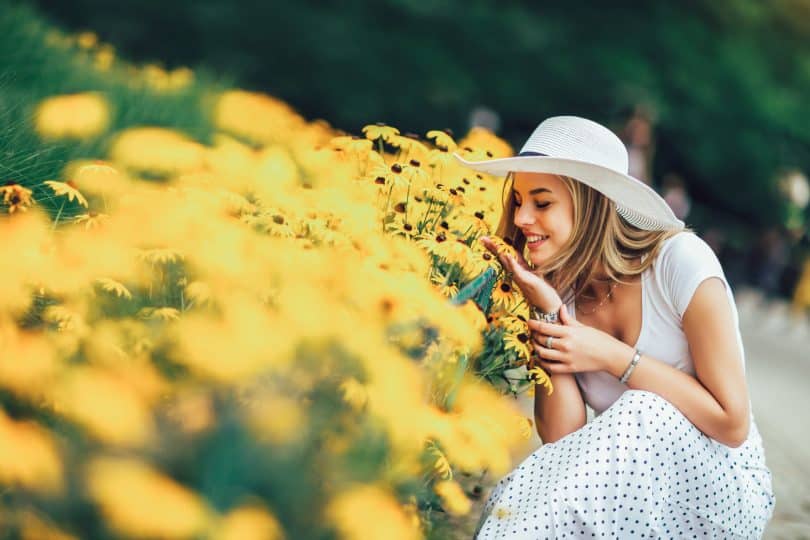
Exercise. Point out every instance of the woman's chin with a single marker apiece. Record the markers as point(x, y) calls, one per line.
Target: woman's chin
point(537, 259)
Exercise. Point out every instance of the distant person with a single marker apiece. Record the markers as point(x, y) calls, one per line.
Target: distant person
point(485, 117)
point(637, 136)
point(633, 316)
point(771, 253)
point(673, 189)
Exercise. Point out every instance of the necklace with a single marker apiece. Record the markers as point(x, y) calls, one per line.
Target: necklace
point(605, 299)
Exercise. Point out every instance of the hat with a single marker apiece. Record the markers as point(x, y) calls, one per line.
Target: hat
point(592, 154)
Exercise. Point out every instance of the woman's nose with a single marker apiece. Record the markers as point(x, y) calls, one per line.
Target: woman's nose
point(523, 216)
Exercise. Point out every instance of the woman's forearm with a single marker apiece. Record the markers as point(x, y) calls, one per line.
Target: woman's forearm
point(560, 413)
point(728, 426)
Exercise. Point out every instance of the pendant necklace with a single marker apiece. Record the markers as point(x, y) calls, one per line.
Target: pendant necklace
point(605, 299)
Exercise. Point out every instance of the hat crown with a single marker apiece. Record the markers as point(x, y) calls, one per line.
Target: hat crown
point(573, 137)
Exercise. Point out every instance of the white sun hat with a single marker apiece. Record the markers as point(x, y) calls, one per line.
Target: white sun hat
point(592, 154)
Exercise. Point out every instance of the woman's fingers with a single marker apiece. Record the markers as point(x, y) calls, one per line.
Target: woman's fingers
point(547, 329)
point(554, 367)
point(548, 354)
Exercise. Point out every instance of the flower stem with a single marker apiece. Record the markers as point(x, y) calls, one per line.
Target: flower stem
point(58, 214)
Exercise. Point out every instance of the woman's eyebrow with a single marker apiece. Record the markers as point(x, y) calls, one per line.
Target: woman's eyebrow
point(535, 190)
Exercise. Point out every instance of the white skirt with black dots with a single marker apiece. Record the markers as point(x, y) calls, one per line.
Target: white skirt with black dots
point(638, 470)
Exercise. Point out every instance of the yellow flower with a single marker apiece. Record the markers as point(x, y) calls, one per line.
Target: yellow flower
point(114, 287)
point(442, 140)
point(72, 116)
point(198, 293)
point(91, 220)
point(160, 255)
point(163, 313)
point(278, 419)
point(28, 456)
point(106, 404)
point(16, 197)
point(354, 393)
point(142, 502)
point(156, 149)
point(374, 132)
point(61, 188)
point(383, 516)
point(259, 117)
point(105, 56)
point(249, 522)
point(505, 295)
point(453, 498)
point(87, 40)
point(442, 465)
point(491, 146)
point(518, 343)
point(353, 144)
point(525, 426)
point(32, 527)
point(540, 377)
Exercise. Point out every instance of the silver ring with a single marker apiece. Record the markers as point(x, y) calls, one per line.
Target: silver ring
point(548, 342)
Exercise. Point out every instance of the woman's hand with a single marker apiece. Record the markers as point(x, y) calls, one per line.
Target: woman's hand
point(574, 347)
point(535, 289)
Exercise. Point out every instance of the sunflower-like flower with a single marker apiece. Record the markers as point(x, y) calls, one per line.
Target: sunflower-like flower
point(76, 115)
point(502, 246)
point(62, 188)
point(442, 140)
point(505, 295)
point(540, 377)
point(16, 197)
point(353, 144)
point(91, 220)
point(377, 131)
point(520, 343)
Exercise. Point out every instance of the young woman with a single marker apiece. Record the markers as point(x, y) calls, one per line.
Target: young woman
point(635, 318)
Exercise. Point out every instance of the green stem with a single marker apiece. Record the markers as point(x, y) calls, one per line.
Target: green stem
point(58, 215)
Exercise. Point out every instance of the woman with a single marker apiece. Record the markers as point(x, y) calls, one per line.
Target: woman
point(647, 336)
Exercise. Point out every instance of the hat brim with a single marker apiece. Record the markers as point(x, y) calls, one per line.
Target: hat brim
point(630, 194)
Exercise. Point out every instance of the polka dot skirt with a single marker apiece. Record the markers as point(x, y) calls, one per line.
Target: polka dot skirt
point(639, 470)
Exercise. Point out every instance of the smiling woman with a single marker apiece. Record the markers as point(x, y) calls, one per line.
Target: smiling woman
point(674, 450)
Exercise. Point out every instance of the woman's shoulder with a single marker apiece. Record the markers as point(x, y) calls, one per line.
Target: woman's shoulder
point(685, 247)
point(684, 261)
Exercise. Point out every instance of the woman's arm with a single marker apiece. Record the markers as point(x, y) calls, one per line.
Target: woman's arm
point(560, 413)
point(717, 400)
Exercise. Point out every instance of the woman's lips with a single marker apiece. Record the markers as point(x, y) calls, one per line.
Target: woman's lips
point(536, 244)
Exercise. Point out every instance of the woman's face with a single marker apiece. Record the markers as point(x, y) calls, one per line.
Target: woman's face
point(544, 209)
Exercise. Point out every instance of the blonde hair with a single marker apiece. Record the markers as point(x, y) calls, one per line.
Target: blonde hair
point(599, 235)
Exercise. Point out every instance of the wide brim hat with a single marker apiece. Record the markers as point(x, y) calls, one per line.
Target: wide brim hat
point(592, 154)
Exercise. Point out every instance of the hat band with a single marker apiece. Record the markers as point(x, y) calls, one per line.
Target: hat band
point(528, 153)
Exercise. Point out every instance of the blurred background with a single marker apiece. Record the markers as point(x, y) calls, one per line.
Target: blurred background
point(710, 97)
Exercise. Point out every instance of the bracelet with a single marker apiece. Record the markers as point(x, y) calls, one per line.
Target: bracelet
point(631, 367)
point(553, 317)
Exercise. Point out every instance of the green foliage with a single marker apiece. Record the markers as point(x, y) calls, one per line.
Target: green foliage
point(35, 67)
point(727, 79)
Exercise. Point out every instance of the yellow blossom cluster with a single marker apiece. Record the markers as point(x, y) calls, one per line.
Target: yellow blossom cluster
point(72, 116)
point(281, 275)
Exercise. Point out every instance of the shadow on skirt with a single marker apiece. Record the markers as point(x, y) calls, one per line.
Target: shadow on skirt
point(638, 470)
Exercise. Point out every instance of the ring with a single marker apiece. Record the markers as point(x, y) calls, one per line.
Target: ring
point(548, 342)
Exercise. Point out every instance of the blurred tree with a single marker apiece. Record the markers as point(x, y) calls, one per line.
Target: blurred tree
point(726, 80)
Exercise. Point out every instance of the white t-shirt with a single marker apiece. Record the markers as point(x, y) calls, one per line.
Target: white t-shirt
point(667, 286)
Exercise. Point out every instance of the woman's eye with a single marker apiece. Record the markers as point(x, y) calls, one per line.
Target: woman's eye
point(541, 205)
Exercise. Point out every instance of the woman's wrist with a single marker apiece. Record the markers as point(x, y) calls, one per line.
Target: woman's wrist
point(550, 316)
point(617, 363)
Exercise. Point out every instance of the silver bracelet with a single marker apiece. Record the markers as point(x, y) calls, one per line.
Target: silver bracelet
point(631, 367)
point(553, 317)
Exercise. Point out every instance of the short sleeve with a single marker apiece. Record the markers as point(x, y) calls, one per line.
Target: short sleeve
point(686, 261)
